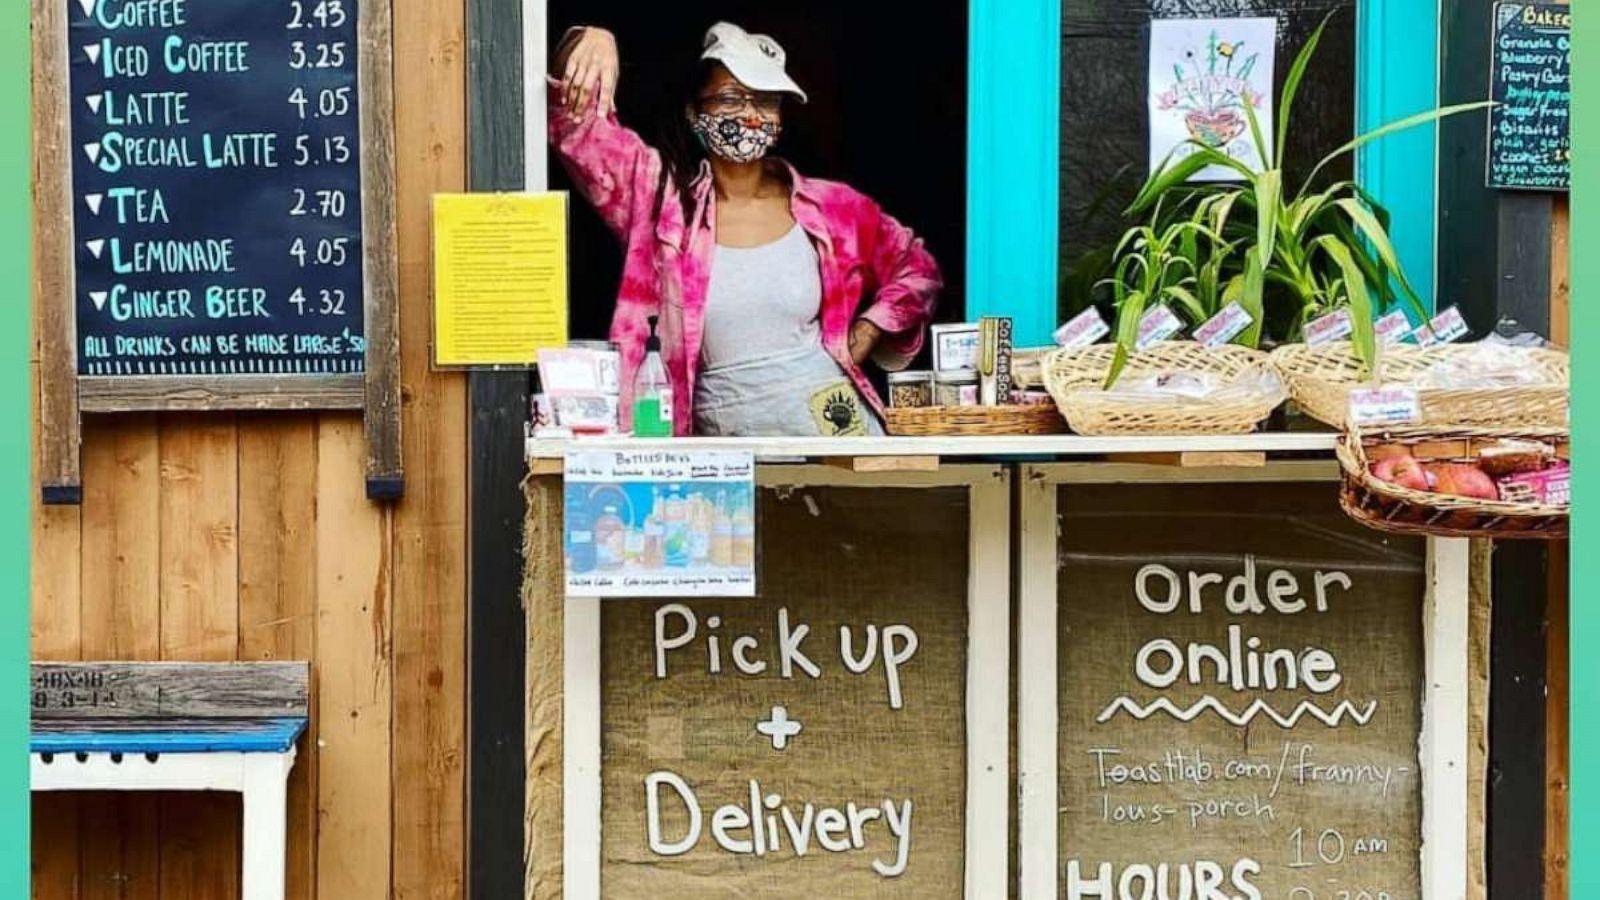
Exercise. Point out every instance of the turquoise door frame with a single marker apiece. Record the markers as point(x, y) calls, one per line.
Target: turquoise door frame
point(1013, 155)
point(1397, 75)
point(1014, 148)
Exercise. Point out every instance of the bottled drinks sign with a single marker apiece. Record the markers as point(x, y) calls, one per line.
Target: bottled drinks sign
point(216, 187)
point(660, 524)
point(1530, 143)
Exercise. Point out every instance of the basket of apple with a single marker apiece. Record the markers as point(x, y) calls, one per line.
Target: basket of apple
point(1458, 482)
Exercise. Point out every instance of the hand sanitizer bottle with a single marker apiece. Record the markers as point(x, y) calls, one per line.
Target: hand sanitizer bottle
point(652, 392)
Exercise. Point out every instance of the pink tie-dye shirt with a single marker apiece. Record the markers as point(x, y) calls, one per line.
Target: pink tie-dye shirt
point(873, 267)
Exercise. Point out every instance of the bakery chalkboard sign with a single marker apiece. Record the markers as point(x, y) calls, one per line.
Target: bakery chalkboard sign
point(1240, 689)
point(1530, 144)
point(217, 169)
point(217, 202)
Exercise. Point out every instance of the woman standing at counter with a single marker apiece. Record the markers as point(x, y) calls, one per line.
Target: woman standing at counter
point(771, 289)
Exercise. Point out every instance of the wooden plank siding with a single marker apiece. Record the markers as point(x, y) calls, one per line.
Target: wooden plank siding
point(249, 536)
point(430, 526)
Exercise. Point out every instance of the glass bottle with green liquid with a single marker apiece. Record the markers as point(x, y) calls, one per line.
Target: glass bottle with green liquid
point(652, 391)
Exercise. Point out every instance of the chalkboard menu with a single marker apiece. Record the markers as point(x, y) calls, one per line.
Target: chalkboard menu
point(1240, 696)
point(216, 187)
point(1530, 144)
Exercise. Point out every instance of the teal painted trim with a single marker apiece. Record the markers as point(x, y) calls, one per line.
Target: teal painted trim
point(1013, 154)
point(1397, 65)
point(16, 485)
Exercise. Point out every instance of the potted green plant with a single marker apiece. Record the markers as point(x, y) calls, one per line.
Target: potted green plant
point(1284, 257)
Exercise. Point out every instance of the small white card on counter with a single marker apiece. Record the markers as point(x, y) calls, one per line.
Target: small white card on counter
point(1392, 328)
point(1447, 327)
point(1224, 326)
point(1331, 327)
point(1388, 405)
point(955, 346)
point(1082, 330)
point(1158, 324)
point(568, 371)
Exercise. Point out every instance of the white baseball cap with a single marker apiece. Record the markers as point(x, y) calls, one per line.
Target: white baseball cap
point(755, 59)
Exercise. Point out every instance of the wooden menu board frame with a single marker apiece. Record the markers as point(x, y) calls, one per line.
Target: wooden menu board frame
point(1444, 746)
point(986, 852)
point(64, 395)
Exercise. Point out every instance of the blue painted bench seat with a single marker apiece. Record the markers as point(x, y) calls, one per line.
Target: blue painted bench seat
point(178, 726)
point(274, 735)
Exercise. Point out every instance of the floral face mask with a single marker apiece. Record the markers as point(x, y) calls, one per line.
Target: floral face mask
point(729, 137)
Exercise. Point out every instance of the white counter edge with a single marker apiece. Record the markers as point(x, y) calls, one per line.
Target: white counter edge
point(1018, 445)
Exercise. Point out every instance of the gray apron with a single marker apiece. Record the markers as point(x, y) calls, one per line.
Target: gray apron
point(800, 392)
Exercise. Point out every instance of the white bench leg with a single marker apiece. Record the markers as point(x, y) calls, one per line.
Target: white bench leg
point(266, 782)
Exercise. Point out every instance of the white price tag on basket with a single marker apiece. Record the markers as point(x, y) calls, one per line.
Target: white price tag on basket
point(1392, 328)
point(1331, 327)
point(1158, 324)
point(1447, 327)
point(1224, 326)
point(1385, 406)
point(1082, 330)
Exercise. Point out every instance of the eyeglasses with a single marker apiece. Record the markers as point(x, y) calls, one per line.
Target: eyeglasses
point(729, 102)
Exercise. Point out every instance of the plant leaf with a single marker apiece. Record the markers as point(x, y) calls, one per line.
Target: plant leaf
point(1291, 86)
point(1421, 118)
point(1376, 274)
point(1129, 312)
point(1172, 175)
point(1262, 150)
point(1306, 209)
point(1189, 302)
point(1362, 338)
point(1221, 209)
point(1252, 286)
point(1378, 237)
point(1268, 186)
point(1209, 278)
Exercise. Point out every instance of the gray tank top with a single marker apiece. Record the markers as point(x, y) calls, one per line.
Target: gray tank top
point(763, 367)
point(762, 300)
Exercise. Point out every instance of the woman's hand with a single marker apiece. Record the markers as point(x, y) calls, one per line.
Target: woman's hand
point(589, 68)
point(864, 336)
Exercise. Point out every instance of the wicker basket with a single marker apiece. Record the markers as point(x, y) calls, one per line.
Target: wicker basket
point(1391, 507)
point(928, 421)
point(1320, 380)
point(1075, 379)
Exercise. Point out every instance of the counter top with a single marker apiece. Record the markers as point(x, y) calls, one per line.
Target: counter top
point(1065, 445)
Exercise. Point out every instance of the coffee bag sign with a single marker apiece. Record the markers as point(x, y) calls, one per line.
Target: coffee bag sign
point(810, 741)
point(1240, 686)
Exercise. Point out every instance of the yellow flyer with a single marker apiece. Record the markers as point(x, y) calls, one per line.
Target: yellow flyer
point(499, 277)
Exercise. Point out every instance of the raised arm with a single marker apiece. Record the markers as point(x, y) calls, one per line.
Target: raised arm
point(587, 64)
point(611, 165)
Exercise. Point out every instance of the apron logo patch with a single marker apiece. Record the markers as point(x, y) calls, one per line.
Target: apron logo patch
point(837, 412)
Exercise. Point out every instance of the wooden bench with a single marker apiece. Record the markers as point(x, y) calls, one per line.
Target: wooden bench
point(128, 726)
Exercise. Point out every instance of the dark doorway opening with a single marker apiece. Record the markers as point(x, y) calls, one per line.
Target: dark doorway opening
point(887, 114)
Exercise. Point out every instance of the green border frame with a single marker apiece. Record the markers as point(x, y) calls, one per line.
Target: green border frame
point(1584, 716)
point(15, 510)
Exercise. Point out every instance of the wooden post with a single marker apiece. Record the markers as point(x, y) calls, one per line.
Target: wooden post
point(379, 247)
point(1557, 729)
point(54, 286)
